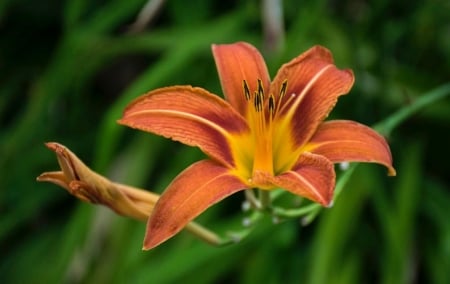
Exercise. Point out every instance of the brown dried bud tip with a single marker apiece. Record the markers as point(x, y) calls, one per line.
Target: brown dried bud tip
point(89, 186)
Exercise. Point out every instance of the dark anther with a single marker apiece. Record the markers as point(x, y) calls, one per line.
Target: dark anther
point(283, 89)
point(260, 89)
point(246, 90)
point(271, 104)
point(258, 102)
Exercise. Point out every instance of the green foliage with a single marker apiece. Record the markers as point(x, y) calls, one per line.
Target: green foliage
point(69, 68)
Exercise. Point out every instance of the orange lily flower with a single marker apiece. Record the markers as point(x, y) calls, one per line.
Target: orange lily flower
point(264, 135)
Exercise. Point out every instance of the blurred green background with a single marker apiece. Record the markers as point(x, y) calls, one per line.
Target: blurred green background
point(68, 68)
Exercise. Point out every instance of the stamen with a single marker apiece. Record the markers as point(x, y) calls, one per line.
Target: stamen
point(246, 90)
point(283, 89)
point(258, 101)
point(288, 102)
point(271, 104)
point(281, 96)
point(260, 89)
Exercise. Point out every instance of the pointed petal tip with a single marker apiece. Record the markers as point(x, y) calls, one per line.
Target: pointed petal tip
point(120, 121)
point(127, 122)
point(330, 204)
point(325, 201)
point(150, 243)
point(392, 172)
point(52, 145)
point(55, 147)
point(320, 50)
point(145, 247)
point(42, 177)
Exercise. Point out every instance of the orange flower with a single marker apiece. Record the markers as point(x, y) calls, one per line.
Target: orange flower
point(265, 135)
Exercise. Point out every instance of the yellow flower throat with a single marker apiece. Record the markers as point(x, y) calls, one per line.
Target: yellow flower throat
point(261, 112)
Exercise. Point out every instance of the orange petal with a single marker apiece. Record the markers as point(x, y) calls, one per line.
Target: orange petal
point(235, 63)
point(190, 115)
point(192, 192)
point(313, 86)
point(349, 141)
point(312, 177)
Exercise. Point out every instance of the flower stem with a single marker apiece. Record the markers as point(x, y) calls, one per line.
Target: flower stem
point(264, 199)
point(251, 198)
point(390, 123)
point(231, 237)
point(205, 234)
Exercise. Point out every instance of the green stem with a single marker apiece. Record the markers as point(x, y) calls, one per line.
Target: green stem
point(264, 199)
point(387, 125)
point(251, 198)
point(231, 237)
point(205, 234)
point(295, 212)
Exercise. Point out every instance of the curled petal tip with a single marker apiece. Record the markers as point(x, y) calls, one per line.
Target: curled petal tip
point(54, 146)
point(330, 204)
point(45, 177)
point(392, 172)
point(41, 177)
point(49, 176)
